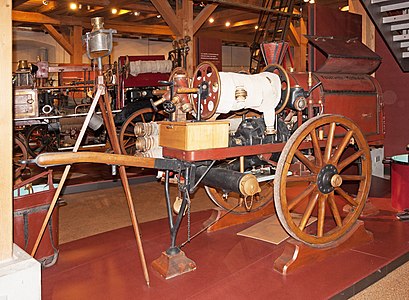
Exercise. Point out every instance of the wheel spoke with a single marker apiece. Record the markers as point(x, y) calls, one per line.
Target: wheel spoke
point(321, 215)
point(341, 147)
point(352, 177)
point(330, 140)
point(143, 118)
point(334, 209)
point(129, 134)
point(347, 197)
point(308, 211)
point(300, 197)
point(349, 160)
point(129, 145)
point(317, 148)
point(132, 123)
point(301, 178)
point(40, 149)
point(306, 161)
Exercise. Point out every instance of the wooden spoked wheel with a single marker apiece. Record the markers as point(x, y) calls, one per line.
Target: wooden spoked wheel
point(236, 203)
point(40, 139)
point(317, 186)
point(19, 154)
point(233, 201)
point(127, 136)
point(285, 85)
point(207, 72)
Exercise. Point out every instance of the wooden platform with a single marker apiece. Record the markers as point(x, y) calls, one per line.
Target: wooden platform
point(106, 266)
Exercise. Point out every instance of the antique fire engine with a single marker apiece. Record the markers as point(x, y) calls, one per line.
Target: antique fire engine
point(302, 141)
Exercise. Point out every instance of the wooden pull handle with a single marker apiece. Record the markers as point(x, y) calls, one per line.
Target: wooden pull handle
point(67, 158)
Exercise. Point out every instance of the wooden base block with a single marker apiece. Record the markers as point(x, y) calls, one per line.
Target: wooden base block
point(369, 210)
point(296, 254)
point(169, 266)
point(222, 220)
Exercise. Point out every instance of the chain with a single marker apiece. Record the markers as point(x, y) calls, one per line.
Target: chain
point(205, 228)
point(188, 215)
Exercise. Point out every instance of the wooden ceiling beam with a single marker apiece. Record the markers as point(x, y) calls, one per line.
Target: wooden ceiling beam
point(17, 3)
point(93, 10)
point(31, 17)
point(37, 18)
point(204, 14)
point(92, 2)
point(250, 7)
point(52, 5)
point(59, 38)
point(140, 29)
point(168, 15)
point(140, 7)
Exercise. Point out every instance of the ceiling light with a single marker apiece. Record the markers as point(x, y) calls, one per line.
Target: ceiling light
point(312, 1)
point(137, 13)
point(256, 27)
point(45, 2)
point(159, 16)
point(211, 20)
point(88, 7)
point(73, 6)
point(114, 11)
point(79, 6)
point(227, 24)
point(345, 8)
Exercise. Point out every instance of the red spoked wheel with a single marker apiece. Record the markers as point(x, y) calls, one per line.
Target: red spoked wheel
point(207, 72)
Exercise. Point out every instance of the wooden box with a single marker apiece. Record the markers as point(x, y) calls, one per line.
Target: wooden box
point(194, 135)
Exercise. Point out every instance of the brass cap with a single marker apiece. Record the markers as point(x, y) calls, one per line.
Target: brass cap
point(249, 185)
point(336, 180)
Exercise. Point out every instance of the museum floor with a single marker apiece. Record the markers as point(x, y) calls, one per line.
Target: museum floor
point(99, 260)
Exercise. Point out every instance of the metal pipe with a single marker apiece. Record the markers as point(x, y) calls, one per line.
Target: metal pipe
point(229, 180)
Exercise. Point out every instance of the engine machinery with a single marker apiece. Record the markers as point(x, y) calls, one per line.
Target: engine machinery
point(337, 110)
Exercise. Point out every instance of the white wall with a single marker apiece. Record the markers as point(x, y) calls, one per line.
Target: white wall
point(235, 58)
point(20, 278)
point(27, 45)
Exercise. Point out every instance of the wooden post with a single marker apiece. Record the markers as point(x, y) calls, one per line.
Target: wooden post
point(6, 133)
point(185, 13)
point(301, 53)
point(368, 29)
point(76, 57)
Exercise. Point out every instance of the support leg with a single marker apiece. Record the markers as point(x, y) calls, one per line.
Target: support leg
point(173, 262)
point(106, 113)
point(94, 103)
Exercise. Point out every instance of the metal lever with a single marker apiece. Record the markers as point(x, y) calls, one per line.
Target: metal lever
point(164, 82)
point(308, 93)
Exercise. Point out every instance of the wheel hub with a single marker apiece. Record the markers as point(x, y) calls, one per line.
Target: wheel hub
point(328, 179)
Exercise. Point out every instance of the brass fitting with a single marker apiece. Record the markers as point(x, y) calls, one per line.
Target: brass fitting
point(249, 185)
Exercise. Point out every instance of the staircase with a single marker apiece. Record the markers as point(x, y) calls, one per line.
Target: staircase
point(273, 25)
point(391, 17)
